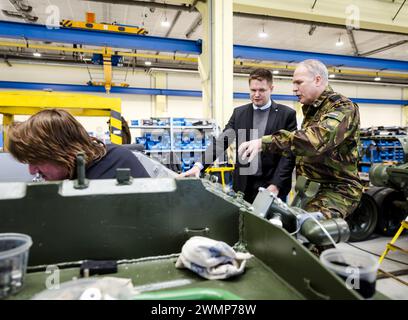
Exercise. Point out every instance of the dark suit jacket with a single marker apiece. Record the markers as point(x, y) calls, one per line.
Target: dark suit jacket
point(276, 169)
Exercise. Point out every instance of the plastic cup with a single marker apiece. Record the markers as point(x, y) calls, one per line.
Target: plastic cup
point(358, 270)
point(14, 248)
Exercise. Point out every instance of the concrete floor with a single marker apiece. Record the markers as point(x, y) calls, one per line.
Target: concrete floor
point(376, 245)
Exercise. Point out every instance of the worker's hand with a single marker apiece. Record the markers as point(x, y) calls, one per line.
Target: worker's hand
point(248, 150)
point(273, 189)
point(193, 172)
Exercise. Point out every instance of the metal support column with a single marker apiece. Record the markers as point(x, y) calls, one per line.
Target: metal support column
point(216, 61)
point(404, 120)
point(160, 106)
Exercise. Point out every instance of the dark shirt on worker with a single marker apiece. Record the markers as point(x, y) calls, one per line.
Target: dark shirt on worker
point(116, 157)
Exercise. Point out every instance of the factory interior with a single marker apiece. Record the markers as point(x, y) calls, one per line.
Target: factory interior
point(119, 179)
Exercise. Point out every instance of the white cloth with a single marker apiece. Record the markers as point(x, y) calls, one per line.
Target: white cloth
point(211, 259)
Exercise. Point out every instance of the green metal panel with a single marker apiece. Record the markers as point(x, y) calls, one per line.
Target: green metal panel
point(116, 226)
point(292, 261)
point(107, 221)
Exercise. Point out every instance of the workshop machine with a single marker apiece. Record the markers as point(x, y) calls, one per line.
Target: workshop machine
point(142, 224)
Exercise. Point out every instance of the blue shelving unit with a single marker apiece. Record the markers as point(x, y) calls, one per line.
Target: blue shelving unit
point(186, 137)
point(380, 149)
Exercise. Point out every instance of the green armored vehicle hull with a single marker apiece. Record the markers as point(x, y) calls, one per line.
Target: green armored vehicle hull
point(144, 225)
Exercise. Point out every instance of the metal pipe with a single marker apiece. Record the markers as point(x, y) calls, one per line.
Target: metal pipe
point(302, 22)
point(194, 26)
point(312, 29)
point(22, 15)
point(20, 6)
point(352, 41)
point(177, 16)
point(399, 10)
point(387, 47)
point(6, 61)
point(192, 6)
point(149, 4)
point(22, 11)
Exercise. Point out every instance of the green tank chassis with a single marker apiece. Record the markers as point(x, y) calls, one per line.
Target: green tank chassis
point(142, 225)
point(71, 221)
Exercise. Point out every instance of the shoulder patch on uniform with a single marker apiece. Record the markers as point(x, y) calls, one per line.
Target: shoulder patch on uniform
point(335, 97)
point(335, 115)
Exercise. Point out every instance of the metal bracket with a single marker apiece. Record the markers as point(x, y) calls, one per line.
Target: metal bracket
point(81, 182)
point(123, 176)
point(306, 190)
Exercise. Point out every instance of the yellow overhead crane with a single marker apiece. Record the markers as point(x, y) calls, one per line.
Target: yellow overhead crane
point(91, 24)
point(107, 52)
point(102, 27)
point(30, 102)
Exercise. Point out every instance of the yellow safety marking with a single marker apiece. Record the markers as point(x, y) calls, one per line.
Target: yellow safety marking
point(103, 27)
point(67, 23)
point(116, 139)
point(117, 123)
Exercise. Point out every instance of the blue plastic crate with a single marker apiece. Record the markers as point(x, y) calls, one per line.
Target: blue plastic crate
point(365, 168)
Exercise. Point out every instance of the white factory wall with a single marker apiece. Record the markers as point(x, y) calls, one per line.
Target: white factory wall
point(142, 106)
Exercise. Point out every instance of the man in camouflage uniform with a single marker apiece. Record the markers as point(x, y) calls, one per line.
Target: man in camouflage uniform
point(326, 147)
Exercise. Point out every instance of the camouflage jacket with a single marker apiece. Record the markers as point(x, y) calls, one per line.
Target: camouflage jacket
point(326, 147)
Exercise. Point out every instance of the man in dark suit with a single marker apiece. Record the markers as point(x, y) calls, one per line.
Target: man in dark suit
point(261, 117)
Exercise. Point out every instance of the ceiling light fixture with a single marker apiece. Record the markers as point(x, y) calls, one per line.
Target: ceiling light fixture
point(339, 42)
point(377, 78)
point(263, 34)
point(275, 71)
point(148, 63)
point(165, 23)
point(332, 75)
point(37, 54)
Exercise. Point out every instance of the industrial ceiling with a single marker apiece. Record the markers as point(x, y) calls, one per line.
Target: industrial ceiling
point(313, 26)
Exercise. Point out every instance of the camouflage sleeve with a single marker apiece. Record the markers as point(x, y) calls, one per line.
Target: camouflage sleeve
point(333, 128)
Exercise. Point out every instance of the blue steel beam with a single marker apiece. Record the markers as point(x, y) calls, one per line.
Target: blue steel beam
point(97, 38)
point(287, 97)
point(165, 92)
point(268, 54)
point(98, 89)
point(121, 40)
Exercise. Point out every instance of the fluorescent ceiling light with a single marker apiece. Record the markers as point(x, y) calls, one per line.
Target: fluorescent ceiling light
point(275, 71)
point(165, 23)
point(332, 75)
point(148, 63)
point(37, 54)
point(377, 78)
point(262, 34)
point(339, 42)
